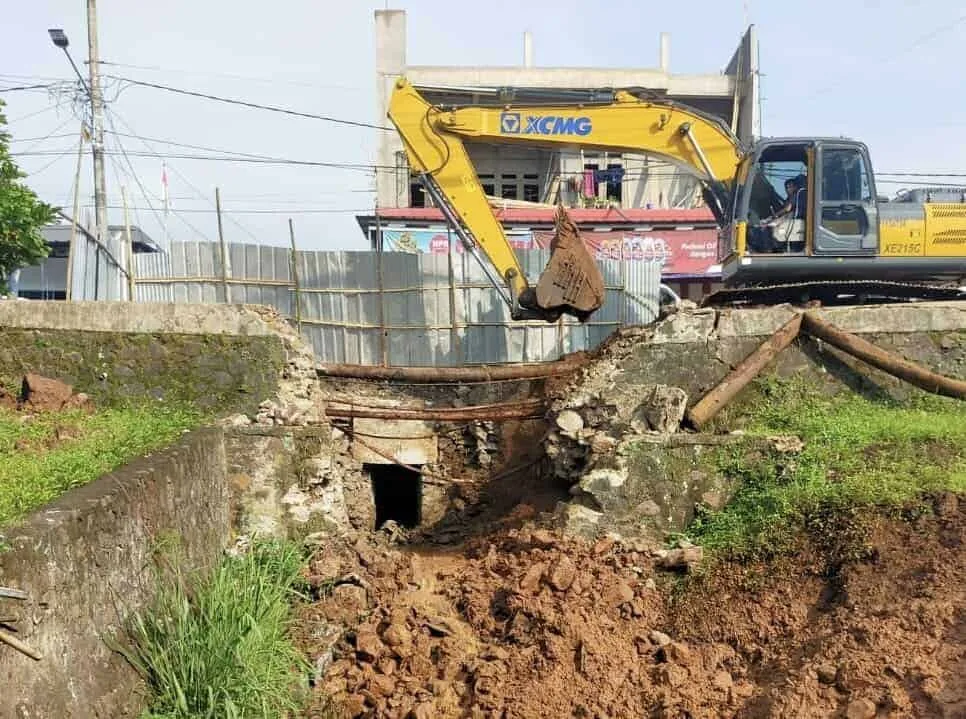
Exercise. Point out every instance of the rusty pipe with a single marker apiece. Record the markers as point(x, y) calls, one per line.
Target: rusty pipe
point(432, 375)
point(530, 409)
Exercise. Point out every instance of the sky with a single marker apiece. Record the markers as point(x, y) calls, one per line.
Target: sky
point(887, 73)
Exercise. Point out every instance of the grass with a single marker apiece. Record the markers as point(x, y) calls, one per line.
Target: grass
point(44, 455)
point(219, 647)
point(858, 454)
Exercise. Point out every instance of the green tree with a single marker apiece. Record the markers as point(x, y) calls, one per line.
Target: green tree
point(22, 214)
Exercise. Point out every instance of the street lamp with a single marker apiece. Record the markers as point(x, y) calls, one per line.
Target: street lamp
point(59, 38)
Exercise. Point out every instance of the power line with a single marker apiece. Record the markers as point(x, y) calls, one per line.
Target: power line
point(281, 211)
point(231, 76)
point(184, 179)
point(26, 87)
point(45, 137)
point(253, 105)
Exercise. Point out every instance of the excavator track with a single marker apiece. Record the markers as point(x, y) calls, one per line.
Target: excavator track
point(832, 292)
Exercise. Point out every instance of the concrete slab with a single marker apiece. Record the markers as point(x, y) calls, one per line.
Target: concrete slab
point(407, 441)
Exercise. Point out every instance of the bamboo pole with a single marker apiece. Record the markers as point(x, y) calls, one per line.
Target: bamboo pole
point(295, 276)
point(885, 361)
point(709, 405)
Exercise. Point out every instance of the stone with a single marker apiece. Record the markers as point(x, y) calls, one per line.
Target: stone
point(664, 408)
point(676, 653)
point(947, 342)
point(43, 393)
point(715, 501)
point(387, 666)
point(577, 519)
point(860, 709)
point(351, 597)
point(531, 580)
point(425, 710)
point(671, 675)
point(399, 639)
point(562, 574)
point(543, 538)
point(602, 443)
point(570, 422)
point(368, 645)
point(722, 680)
point(623, 593)
point(659, 638)
point(238, 420)
point(382, 685)
point(650, 584)
point(648, 508)
point(682, 558)
point(786, 444)
point(826, 673)
point(354, 705)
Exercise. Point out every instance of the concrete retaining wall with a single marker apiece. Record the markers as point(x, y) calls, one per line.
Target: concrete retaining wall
point(216, 357)
point(83, 561)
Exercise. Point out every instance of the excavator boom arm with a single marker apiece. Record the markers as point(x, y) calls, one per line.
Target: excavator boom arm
point(434, 142)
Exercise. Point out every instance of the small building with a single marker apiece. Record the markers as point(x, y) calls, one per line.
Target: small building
point(95, 272)
point(626, 205)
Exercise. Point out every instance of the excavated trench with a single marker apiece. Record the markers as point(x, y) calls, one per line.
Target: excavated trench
point(508, 580)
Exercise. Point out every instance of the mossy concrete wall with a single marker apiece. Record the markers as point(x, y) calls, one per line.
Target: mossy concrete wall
point(213, 357)
point(84, 561)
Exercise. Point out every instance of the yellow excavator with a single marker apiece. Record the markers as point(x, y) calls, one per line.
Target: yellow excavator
point(799, 218)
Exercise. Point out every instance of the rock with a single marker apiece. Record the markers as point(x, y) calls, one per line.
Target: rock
point(570, 422)
point(238, 420)
point(650, 584)
point(382, 685)
point(676, 653)
point(542, 538)
point(947, 342)
point(387, 666)
point(682, 558)
point(368, 645)
point(43, 393)
point(786, 444)
point(425, 710)
point(399, 639)
point(715, 501)
point(671, 675)
point(531, 580)
point(354, 705)
point(659, 638)
point(826, 673)
point(602, 443)
point(722, 680)
point(577, 519)
point(623, 592)
point(648, 508)
point(603, 546)
point(562, 574)
point(351, 597)
point(7, 400)
point(860, 709)
point(664, 408)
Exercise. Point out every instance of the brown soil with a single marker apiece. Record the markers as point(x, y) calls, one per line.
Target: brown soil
point(523, 623)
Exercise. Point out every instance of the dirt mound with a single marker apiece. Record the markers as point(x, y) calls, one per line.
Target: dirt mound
point(529, 624)
point(43, 394)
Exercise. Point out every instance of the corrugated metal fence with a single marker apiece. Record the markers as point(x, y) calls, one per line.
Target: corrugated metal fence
point(394, 308)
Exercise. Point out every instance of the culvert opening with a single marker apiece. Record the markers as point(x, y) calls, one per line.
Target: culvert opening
point(397, 493)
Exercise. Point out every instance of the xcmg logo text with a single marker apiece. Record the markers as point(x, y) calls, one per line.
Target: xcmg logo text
point(511, 123)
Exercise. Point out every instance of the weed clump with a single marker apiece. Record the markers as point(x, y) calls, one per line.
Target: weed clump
point(858, 453)
point(219, 646)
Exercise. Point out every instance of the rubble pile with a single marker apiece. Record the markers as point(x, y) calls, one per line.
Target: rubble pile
point(523, 624)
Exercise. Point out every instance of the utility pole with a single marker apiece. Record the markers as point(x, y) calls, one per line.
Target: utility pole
point(97, 142)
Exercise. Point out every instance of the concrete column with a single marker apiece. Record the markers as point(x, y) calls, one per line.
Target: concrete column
point(392, 188)
point(527, 49)
point(665, 57)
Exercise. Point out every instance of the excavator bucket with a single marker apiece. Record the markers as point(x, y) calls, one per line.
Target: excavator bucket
point(571, 282)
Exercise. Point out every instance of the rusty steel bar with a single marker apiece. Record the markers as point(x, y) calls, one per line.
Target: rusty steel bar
point(885, 361)
point(434, 375)
point(517, 410)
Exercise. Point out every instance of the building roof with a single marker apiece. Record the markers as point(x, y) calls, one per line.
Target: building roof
point(544, 216)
